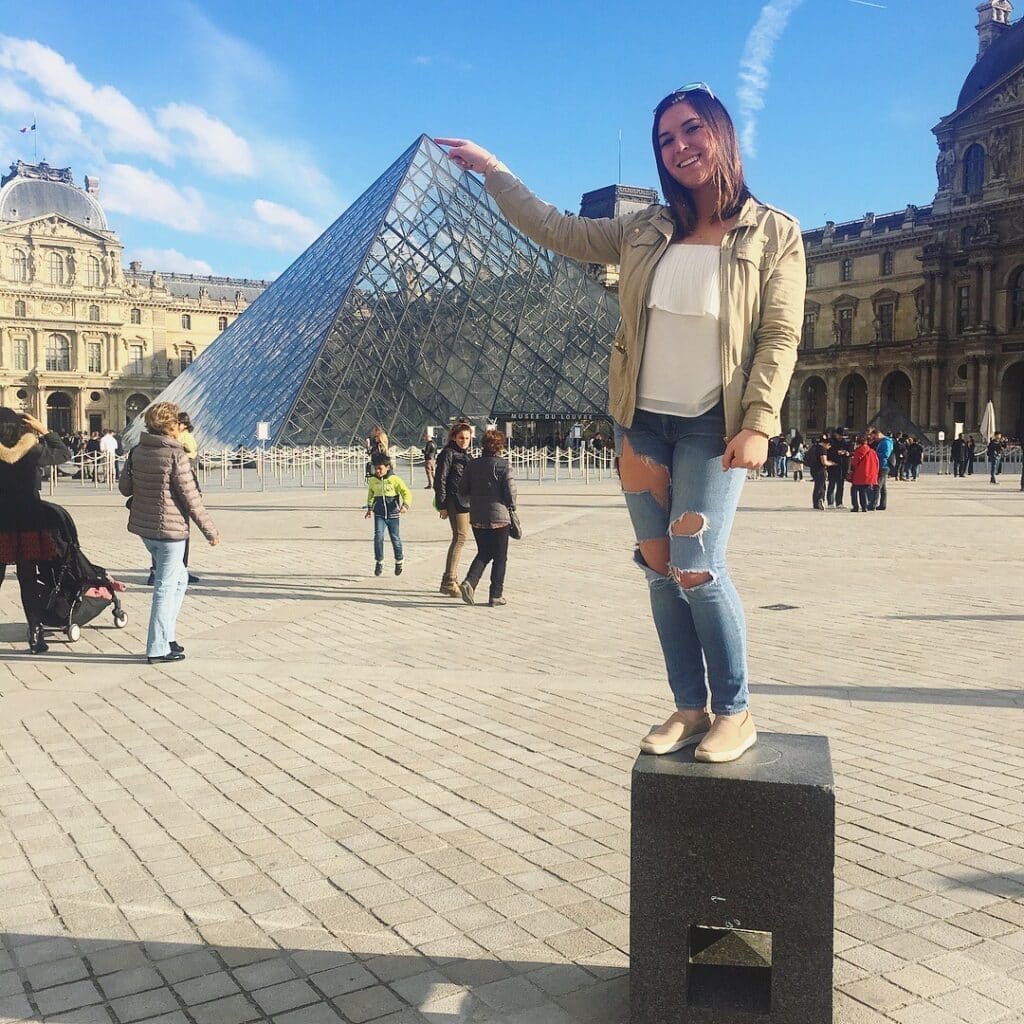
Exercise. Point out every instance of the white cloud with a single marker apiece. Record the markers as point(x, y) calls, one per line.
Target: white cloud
point(285, 218)
point(754, 66)
point(146, 195)
point(169, 260)
point(128, 128)
point(213, 144)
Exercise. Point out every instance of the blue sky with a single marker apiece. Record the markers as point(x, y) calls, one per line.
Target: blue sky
point(227, 135)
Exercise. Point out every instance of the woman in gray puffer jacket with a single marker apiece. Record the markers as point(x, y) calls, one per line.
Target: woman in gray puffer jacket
point(489, 489)
point(164, 497)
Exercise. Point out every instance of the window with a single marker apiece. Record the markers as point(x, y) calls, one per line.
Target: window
point(966, 236)
point(886, 317)
point(58, 353)
point(1017, 300)
point(92, 272)
point(222, 323)
point(807, 337)
point(19, 307)
point(185, 360)
point(135, 360)
point(186, 322)
point(887, 262)
point(974, 170)
point(19, 266)
point(136, 316)
point(21, 353)
point(846, 269)
point(55, 265)
point(94, 314)
point(845, 326)
point(810, 275)
point(963, 308)
point(94, 351)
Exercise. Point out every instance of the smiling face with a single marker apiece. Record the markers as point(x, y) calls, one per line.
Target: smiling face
point(686, 146)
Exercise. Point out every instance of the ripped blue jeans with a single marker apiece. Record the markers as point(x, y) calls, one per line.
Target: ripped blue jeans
point(675, 487)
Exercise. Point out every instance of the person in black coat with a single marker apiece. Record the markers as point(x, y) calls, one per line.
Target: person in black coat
point(840, 454)
point(489, 489)
point(451, 464)
point(958, 456)
point(29, 534)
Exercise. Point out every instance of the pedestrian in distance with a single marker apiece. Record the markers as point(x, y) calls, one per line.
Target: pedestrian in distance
point(489, 489)
point(883, 448)
point(915, 458)
point(796, 459)
point(839, 470)
point(29, 536)
point(387, 497)
point(376, 444)
point(818, 462)
point(994, 453)
point(970, 455)
point(725, 272)
point(863, 476)
point(451, 464)
point(958, 456)
point(158, 479)
point(429, 458)
point(108, 453)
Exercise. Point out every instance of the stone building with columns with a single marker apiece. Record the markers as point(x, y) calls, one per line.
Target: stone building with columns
point(915, 319)
point(84, 343)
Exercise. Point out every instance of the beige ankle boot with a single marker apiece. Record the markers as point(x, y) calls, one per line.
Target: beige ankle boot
point(675, 733)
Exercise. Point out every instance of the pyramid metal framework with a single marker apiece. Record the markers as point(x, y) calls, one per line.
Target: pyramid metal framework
point(420, 303)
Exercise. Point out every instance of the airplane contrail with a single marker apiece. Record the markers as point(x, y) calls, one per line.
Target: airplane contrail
point(866, 3)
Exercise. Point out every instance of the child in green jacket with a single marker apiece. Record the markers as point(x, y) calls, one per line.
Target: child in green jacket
point(387, 497)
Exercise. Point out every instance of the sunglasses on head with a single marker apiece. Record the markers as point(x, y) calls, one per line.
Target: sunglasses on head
point(683, 90)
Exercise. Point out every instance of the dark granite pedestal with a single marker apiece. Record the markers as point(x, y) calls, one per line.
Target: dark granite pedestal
point(732, 886)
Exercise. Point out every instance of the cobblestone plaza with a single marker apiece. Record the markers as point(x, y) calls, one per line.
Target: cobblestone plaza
point(360, 801)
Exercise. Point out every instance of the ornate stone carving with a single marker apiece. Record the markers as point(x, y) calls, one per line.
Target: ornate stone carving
point(945, 164)
point(72, 265)
point(1010, 95)
point(999, 148)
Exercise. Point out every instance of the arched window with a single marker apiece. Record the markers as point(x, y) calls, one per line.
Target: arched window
point(1017, 299)
point(136, 315)
point(19, 307)
point(94, 314)
point(19, 266)
point(92, 272)
point(186, 322)
point(55, 265)
point(58, 353)
point(134, 406)
point(222, 323)
point(974, 170)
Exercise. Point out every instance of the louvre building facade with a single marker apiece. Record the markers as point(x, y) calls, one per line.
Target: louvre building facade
point(916, 318)
point(419, 304)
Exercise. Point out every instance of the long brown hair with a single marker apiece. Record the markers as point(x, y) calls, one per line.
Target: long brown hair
point(727, 176)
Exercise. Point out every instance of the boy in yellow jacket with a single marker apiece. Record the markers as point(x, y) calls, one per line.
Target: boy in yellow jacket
point(387, 497)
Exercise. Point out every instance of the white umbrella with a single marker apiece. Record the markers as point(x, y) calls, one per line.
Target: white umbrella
point(988, 422)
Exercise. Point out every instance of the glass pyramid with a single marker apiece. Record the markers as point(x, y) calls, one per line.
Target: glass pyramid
point(420, 303)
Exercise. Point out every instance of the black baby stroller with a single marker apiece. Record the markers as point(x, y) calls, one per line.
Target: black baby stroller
point(73, 591)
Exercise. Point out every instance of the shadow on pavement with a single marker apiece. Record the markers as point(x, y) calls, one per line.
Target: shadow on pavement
point(899, 694)
point(77, 980)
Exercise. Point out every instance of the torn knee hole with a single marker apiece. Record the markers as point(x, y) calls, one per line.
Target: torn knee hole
point(689, 524)
point(688, 580)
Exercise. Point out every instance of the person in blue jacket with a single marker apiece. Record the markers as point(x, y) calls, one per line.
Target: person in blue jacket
point(882, 444)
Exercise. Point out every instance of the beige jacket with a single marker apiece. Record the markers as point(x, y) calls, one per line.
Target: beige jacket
point(763, 282)
point(159, 479)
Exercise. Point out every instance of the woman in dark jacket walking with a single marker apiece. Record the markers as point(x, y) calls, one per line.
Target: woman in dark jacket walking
point(164, 497)
point(28, 533)
point(488, 487)
point(451, 464)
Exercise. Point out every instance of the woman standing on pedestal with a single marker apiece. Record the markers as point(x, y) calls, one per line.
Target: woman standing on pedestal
point(711, 290)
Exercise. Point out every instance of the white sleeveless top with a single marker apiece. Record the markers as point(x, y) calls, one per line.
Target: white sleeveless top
point(681, 370)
